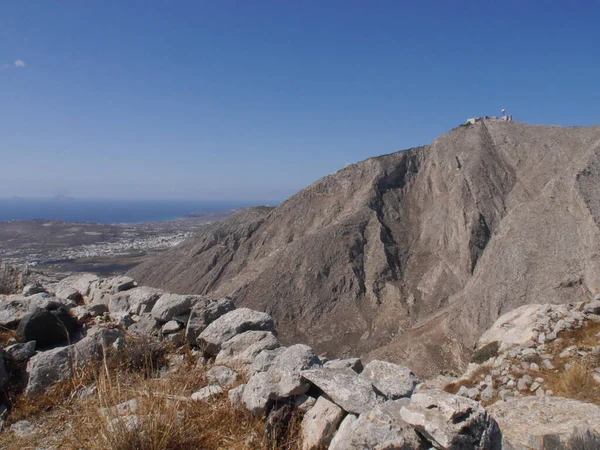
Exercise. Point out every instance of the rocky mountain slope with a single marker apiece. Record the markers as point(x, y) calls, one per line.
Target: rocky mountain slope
point(410, 256)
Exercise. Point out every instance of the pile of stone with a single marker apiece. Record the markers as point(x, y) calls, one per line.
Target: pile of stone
point(344, 403)
point(518, 346)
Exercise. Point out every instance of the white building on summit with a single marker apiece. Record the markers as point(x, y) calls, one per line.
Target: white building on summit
point(504, 117)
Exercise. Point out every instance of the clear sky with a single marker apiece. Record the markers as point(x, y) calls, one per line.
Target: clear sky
point(256, 99)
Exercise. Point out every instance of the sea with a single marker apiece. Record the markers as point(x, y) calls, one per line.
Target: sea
point(109, 211)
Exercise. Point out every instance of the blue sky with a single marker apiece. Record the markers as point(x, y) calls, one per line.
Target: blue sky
point(254, 100)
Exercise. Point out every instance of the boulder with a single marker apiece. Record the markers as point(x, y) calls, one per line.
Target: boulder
point(81, 283)
point(69, 293)
point(236, 395)
point(23, 429)
point(20, 352)
point(144, 326)
point(392, 380)
point(207, 393)
point(282, 380)
point(287, 368)
point(172, 326)
point(12, 309)
point(170, 306)
point(353, 393)
point(319, 424)
point(240, 351)
point(516, 327)
point(258, 393)
point(304, 402)
point(221, 376)
point(354, 364)
point(264, 359)
point(380, 428)
point(31, 289)
point(231, 324)
point(47, 328)
point(593, 307)
point(203, 314)
point(451, 422)
point(95, 344)
point(120, 284)
point(80, 313)
point(48, 367)
point(142, 299)
point(543, 422)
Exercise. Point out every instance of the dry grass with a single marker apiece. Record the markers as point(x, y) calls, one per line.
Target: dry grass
point(576, 381)
point(5, 335)
point(166, 418)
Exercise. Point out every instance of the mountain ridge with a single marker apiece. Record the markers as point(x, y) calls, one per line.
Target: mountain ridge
point(367, 259)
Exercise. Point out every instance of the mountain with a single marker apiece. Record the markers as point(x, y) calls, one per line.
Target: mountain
point(411, 256)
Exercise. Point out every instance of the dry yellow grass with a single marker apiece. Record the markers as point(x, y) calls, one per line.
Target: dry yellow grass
point(477, 375)
point(166, 418)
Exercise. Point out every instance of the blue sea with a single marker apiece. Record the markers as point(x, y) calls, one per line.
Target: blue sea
point(109, 211)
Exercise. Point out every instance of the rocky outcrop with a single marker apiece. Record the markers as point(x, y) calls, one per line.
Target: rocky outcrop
point(539, 423)
point(410, 256)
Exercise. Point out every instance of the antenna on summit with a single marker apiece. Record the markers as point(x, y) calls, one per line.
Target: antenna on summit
point(503, 112)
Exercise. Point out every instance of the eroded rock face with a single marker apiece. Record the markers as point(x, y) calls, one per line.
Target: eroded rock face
point(451, 422)
point(353, 393)
point(392, 380)
point(543, 422)
point(230, 325)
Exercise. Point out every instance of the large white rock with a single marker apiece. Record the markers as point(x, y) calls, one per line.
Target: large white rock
point(452, 422)
point(221, 376)
point(390, 379)
point(203, 314)
point(380, 428)
point(354, 364)
point(240, 351)
point(353, 393)
point(81, 283)
point(283, 379)
point(319, 424)
point(264, 360)
point(536, 422)
point(515, 327)
point(170, 306)
point(231, 324)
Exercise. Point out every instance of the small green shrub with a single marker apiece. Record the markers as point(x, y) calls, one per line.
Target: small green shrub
point(486, 352)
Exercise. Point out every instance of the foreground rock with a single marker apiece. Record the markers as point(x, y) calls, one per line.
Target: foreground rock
point(355, 394)
point(541, 423)
point(380, 428)
point(319, 424)
point(452, 422)
point(230, 325)
point(390, 379)
point(47, 328)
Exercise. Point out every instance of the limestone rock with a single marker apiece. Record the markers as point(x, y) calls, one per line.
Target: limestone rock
point(240, 351)
point(380, 428)
point(451, 422)
point(48, 367)
point(172, 326)
point(516, 327)
point(354, 364)
point(537, 422)
point(31, 289)
point(20, 352)
point(207, 393)
point(390, 379)
point(203, 314)
point(81, 283)
point(353, 393)
point(221, 375)
point(236, 396)
point(231, 324)
point(258, 393)
point(169, 306)
point(319, 424)
point(265, 358)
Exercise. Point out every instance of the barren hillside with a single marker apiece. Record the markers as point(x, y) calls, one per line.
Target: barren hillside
point(410, 256)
